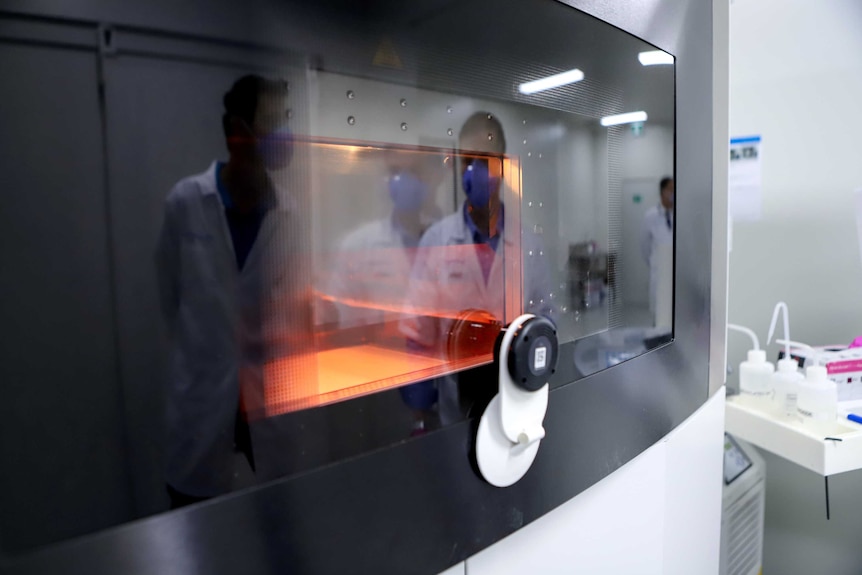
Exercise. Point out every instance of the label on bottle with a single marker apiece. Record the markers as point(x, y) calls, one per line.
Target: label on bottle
point(758, 393)
point(789, 403)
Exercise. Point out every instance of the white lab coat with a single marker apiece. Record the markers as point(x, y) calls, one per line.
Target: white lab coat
point(215, 316)
point(370, 275)
point(654, 233)
point(447, 279)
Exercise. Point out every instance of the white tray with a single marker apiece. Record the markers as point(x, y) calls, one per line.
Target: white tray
point(794, 442)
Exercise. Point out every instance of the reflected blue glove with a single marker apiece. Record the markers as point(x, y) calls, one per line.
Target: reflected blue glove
point(420, 396)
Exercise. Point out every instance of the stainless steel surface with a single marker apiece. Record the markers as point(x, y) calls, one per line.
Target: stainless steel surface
point(418, 507)
point(720, 227)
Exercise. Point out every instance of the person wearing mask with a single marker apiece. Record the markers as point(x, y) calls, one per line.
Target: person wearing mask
point(373, 262)
point(460, 269)
point(212, 260)
point(657, 231)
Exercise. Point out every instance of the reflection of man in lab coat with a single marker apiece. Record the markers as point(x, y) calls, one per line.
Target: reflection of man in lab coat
point(212, 260)
point(372, 267)
point(460, 263)
point(657, 231)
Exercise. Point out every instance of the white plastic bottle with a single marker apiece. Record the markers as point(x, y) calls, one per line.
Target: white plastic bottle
point(785, 381)
point(817, 403)
point(755, 380)
point(755, 374)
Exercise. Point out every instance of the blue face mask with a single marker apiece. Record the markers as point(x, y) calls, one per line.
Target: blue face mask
point(479, 184)
point(407, 192)
point(276, 148)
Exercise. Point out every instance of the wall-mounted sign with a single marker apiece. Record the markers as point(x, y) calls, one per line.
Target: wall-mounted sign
point(859, 217)
point(745, 198)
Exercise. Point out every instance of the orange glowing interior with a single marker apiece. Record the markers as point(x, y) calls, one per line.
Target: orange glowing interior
point(369, 341)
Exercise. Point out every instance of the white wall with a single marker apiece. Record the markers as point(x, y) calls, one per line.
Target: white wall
point(649, 155)
point(795, 79)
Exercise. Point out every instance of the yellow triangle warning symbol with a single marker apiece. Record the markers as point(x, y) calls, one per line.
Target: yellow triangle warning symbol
point(386, 55)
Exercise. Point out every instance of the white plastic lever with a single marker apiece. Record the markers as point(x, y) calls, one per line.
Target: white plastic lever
point(531, 435)
point(511, 429)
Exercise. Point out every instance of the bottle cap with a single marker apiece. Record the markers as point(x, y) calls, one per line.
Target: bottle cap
point(815, 373)
point(787, 365)
point(757, 356)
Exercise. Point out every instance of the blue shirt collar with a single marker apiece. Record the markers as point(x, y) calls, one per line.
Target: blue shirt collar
point(477, 235)
point(226, 200)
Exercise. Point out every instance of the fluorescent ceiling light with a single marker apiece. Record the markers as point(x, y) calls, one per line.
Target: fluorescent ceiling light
point(654, 58)
point(629, 118)
point(554, 81)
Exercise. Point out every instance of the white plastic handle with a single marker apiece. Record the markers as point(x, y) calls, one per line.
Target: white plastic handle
point(511, 429)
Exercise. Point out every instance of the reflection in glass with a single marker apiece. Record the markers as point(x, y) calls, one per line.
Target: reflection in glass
point(219, 227)
point(657, 251)
point(416, 290)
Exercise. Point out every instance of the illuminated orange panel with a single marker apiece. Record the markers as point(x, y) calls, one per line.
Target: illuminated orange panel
point(384, 325)
point(354, 371)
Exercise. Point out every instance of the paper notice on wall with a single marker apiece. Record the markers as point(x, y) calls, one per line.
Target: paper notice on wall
point(745, 197)
point(859, 218)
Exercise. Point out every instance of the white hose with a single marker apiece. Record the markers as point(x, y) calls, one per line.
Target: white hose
point(780, 306)
point(746, 331)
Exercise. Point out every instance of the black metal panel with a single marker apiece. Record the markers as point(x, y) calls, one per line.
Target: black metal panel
point(415, 508)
